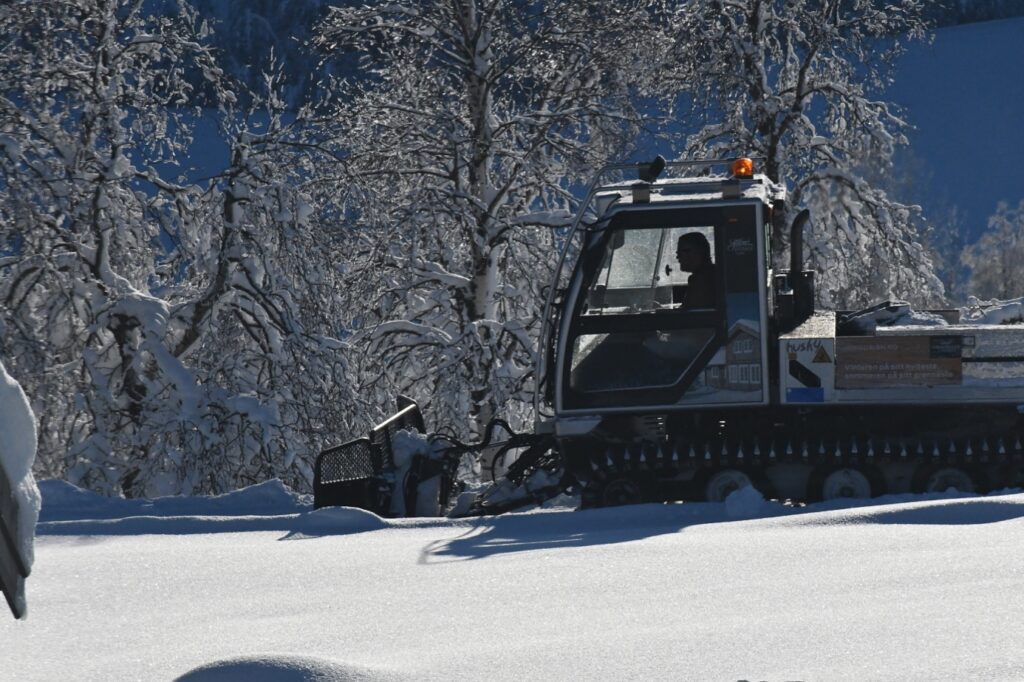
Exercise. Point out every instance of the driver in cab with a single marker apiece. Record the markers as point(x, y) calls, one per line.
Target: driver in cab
point(694, 255)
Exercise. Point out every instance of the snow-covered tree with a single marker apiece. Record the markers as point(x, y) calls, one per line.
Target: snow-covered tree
point(475, 119)
point(254, 36)
point(996, 260)
point(173, 336)
point(258, 316)
point(87, 113)
point(795, 82)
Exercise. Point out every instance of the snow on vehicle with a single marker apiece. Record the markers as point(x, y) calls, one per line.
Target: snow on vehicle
point(647, 391)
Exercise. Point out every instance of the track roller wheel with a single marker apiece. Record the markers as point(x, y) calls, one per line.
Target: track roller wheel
point(844, 483)
point(939, 479)
point(590, 495)
point(622, 491)
point(723, 483)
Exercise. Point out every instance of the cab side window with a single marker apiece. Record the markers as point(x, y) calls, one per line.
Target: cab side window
point(641, 271)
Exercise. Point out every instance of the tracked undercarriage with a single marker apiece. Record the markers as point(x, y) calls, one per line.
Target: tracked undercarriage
point(804, 456)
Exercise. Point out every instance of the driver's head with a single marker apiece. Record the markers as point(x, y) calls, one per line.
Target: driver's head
point(693, 251)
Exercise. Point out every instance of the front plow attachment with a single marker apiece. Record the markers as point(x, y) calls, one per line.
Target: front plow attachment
point(399, 470)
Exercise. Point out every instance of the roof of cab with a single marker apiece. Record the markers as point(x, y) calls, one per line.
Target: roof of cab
point(696, 189)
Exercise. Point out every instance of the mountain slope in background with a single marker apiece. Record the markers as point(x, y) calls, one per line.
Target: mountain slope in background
point(964, 94)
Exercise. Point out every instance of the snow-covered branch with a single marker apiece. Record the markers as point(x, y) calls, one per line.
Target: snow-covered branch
point(478, 118)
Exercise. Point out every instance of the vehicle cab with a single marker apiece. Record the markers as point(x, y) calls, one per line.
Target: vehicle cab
point(646, 325)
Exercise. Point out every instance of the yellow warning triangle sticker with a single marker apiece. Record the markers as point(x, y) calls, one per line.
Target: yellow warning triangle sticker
point(821, 355)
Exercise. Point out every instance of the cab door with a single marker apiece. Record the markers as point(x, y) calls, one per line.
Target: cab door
point(632, 341)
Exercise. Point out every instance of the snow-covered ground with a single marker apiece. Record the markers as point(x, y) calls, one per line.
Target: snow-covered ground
point(256, 585)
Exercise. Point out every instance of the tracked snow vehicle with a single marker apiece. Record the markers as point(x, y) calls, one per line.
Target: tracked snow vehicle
point(650, 391)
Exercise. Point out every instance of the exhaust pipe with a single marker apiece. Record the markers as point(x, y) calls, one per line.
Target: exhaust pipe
point(801, 281)
point(796, 242)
